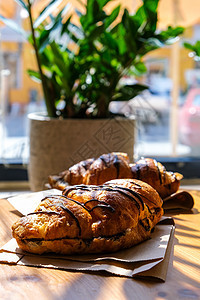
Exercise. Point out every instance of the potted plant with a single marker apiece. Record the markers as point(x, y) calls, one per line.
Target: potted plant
point(81, 66)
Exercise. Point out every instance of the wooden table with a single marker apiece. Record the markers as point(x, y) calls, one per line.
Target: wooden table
point(182, 282)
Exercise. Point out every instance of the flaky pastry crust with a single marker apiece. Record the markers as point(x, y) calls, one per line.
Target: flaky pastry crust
point(116, 165)
point(91, 219)
point(155, 174)
point(107, 167)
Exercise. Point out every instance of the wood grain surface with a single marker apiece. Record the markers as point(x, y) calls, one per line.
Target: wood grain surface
point(182, 282)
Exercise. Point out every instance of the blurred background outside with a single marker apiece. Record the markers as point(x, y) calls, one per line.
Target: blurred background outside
point(168, 115)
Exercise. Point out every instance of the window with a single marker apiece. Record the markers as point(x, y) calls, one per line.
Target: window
point(153, 109)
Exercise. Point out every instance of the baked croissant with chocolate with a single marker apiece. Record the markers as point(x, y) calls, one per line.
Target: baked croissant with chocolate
point(155, 174)
point(94, 171)
point(72, 176)
point(116, 165)
point(91, 219)
point(107, 167)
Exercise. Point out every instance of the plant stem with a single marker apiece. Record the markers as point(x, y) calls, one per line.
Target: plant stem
point(49, 106)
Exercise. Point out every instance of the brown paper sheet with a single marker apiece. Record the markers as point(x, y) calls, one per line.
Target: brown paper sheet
point(148, 259)
point(181, 200)
point(154, 269)
point(27, 203)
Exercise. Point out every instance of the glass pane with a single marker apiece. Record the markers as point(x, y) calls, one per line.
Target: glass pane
point(19, 95)
point(189, 118)
point(154, 131)
point(177, 122)
point(165, 127)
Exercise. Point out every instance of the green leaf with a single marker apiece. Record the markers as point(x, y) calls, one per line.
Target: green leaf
point(140, 16)
point(34, 75)
point(121, 41)
point(96, 32)
point(102, 3)
point(128, 92)
point(95, 9)
point(65, 25)
point(43, 40)
point(150, 8)
point(62, 65)
point(133, 26)
point(53, 31)
point(46, 12)
point(194, 48)
point(90, 59)
point(112, 17)
point(94, 14)
point(110, 41)
point(130, 34)
point(13, 25)
point(151, 4)
point(188, 46)
point(197, 48)
point(139, 68)
point(125, 19)
point(87, 19)
point(154, 42)
point(171, 33)
point(46, 58)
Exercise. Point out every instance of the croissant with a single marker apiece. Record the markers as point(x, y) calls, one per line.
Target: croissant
point(107, 167)
point(94, 171)
point(91, 219)
point(116, 165)
point(155, 174)
point(75, 175)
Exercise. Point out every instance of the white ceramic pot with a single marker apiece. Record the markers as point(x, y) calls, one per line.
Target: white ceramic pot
point(57, 144)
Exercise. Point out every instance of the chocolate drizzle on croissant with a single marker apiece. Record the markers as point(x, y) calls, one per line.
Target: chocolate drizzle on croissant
point(91, 219)
point(155, 174)
point(132, 195)
point(116, 165)
point(97, 171)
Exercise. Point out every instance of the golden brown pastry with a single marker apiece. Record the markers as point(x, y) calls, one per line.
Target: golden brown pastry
point(75, 175)
point(116, 165)
point(108, 166)
point(94, 171)
point(91, 219)
point(155, 174)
